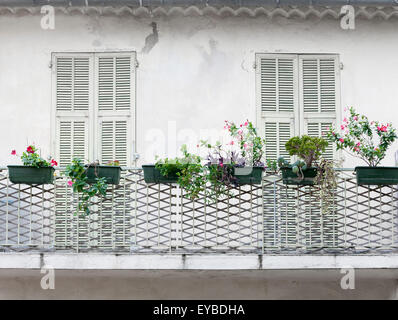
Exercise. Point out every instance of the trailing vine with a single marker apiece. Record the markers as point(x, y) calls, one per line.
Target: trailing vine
point(77, 173)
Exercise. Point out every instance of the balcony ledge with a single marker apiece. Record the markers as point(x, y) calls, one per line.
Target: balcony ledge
point(94, 261)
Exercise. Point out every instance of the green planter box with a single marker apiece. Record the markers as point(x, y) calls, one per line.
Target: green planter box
point(31, 175)
point(289, 177)
point(376, 175)
point(249, 175)
point(153, 175)
point(111, 173)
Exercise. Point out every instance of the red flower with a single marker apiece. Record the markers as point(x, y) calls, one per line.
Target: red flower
point(30, 149)
point(13, 152)
point(53, 163)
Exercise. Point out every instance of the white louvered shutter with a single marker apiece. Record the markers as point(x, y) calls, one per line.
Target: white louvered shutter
point(277, 101)
point(319, 95)
point(319, 99)
point(115, 96)
point(277, 116)
point(73, 105)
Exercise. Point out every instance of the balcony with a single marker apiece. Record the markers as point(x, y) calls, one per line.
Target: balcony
point(136, 217)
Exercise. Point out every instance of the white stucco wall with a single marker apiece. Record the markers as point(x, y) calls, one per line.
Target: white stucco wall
point(199, 74)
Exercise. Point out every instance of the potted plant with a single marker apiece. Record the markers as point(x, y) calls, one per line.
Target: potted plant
point(164, 170)
point(304, 171)
point(110, 171)
point(35, 169)
point(77, 172)
point(250, 170)
point(369, 141)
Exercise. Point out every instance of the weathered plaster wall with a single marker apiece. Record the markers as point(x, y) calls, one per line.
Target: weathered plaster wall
point(194, 71)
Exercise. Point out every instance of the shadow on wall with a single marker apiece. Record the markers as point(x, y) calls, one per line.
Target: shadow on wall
point(152, 39)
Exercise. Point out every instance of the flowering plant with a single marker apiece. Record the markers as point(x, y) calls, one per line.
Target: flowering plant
point(364, 139)
point(250, 144)
point(31, 158)
point(113, 163)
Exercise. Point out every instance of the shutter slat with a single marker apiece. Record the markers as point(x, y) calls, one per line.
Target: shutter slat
point(114, 83)
point(72, 83)
point(318, 84)
point(114, 134)
point(72, 141)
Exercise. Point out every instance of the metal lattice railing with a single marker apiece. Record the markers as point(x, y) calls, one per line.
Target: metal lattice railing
point(139, 217)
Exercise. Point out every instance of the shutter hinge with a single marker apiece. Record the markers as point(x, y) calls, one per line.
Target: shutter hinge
point(254, 65)
point(341, 66)
point(50, 64)
point(137, 64)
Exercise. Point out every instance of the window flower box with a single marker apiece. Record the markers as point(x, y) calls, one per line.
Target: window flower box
point(111, 173)
point(30, 175)
point(153, 175)
point(248, 175)
point(291, 178)
point(376, 175)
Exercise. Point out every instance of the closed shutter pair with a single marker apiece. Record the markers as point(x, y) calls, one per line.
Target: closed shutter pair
point(94, 99)
point(296, 95)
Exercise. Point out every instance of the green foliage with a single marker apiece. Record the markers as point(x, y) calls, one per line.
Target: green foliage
point(77, 172)
point(306, 148)
point(194, 177)
point(188, 169)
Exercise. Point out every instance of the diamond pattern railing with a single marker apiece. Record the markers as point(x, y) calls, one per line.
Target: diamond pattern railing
point(136, 217)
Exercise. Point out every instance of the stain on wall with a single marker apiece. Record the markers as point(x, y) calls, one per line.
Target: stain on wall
point(152, 39)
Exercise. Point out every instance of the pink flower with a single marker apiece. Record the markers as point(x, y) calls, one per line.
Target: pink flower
point(341, 140)
point(240, 131)
point(345, 119)
point(342, 127)
point(53, 163)
point(246, 123)
point(70, 183)
point(240, 125)
point(30, 149)
point(245, 145)
point(13, 152)
point(232, 143)
point(355, 118)
point(221, 165)
point(356, 149)
point(358, 144)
